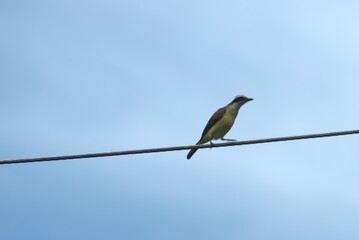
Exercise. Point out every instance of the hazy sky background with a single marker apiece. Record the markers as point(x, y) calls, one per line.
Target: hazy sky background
point(96, 76)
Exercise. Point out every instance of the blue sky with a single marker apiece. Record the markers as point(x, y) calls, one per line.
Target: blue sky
point(96, 76)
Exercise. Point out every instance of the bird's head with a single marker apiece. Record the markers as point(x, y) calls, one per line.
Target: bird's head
point(241, 99)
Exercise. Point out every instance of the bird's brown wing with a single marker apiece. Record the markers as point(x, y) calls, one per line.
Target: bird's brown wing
point(213, 120)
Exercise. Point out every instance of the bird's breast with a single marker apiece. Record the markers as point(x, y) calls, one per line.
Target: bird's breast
point(222, 127)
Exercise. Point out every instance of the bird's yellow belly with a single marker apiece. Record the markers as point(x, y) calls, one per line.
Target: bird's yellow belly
point(222, 127)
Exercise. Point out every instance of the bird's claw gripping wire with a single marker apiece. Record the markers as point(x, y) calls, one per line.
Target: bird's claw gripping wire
point(228, 140)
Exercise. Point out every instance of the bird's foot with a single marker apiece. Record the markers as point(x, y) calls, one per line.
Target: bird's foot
point(229, 140)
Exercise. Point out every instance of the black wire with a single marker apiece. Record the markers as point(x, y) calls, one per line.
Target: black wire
point(178, 148)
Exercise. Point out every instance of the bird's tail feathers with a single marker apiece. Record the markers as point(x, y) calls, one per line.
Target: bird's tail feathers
point(193, 150)
point(190, 154)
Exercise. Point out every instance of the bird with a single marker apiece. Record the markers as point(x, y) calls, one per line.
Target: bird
point(221, 122)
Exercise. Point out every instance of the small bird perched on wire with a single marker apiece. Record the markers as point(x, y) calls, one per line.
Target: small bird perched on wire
point(221, 122)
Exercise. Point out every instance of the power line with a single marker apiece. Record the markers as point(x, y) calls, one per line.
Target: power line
point(178, 148)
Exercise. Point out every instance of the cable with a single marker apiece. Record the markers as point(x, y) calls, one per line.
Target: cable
point(178, 148)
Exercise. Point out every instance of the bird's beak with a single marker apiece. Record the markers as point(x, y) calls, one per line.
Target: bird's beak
point(249, 99)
